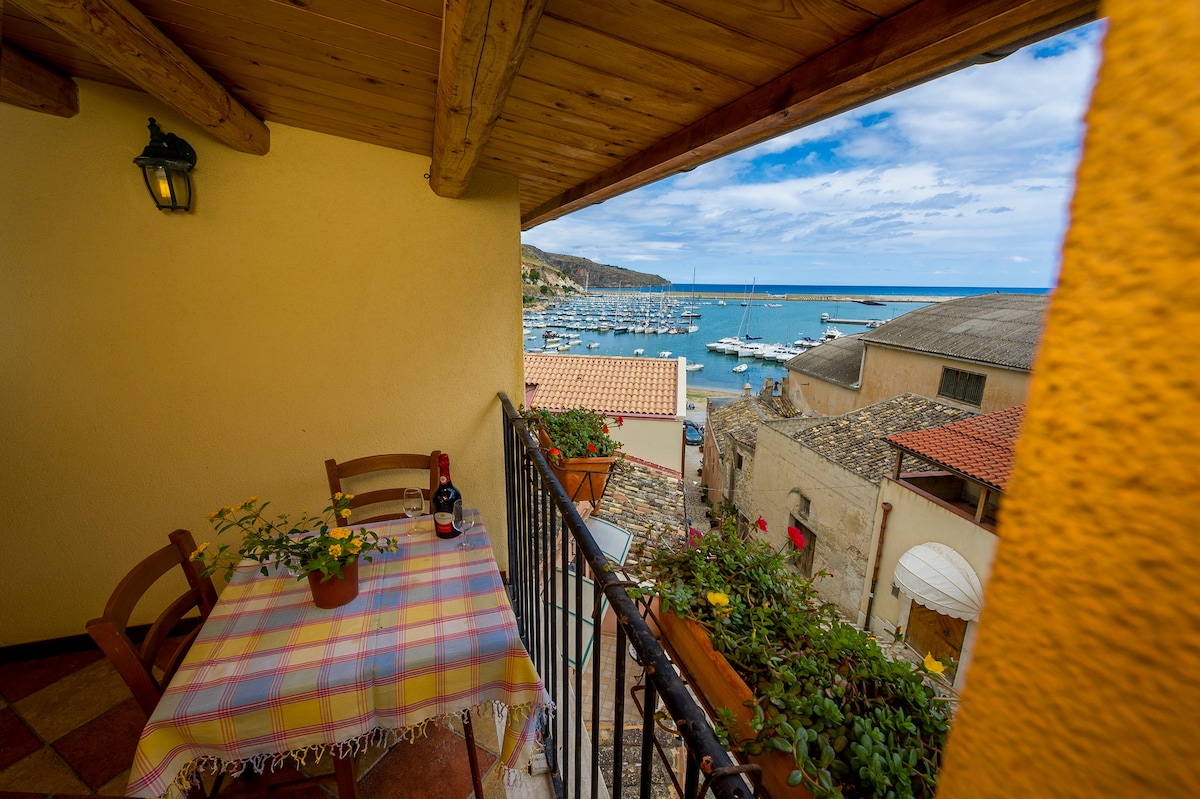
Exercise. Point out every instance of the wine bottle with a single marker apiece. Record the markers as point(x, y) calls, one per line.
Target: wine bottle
point(442, 502)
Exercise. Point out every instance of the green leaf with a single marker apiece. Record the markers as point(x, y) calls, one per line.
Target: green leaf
point(795, 778)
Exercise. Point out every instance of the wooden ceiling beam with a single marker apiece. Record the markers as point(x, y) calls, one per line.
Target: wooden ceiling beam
point(928, 39)
point(483, 45)
point(26, 83)
point(119, 35)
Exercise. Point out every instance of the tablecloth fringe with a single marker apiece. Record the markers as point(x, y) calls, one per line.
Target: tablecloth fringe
point(499, 711)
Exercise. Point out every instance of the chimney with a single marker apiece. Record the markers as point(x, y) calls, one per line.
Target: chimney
point(745, 389)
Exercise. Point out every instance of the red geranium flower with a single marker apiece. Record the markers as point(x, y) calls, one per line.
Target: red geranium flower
point(620, 421)
point(797, 537)
point(762, 524)
point(605, 429)
point(591, 447)
point(554, 453)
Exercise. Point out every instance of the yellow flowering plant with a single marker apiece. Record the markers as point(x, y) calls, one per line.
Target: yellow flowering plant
point(311, 543)
point(854, 722)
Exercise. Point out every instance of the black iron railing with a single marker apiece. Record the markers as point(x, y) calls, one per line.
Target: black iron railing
point(542, 569)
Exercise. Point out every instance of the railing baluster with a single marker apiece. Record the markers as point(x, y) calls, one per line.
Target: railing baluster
point(691, 777)
point(648, 740)
point(619, 718)
point(543, 523)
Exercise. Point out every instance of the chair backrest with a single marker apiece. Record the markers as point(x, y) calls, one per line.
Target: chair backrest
point(337, 472)
point(136, 663)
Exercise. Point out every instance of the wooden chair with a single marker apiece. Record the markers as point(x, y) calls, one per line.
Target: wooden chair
point(337, 472)
point(136, 663)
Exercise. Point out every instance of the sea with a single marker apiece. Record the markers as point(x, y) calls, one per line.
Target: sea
point(775, 314)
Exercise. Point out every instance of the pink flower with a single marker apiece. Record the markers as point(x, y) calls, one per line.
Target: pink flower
point(798, 539)
point(762, 524)
point(693, 537)
point(591, 447)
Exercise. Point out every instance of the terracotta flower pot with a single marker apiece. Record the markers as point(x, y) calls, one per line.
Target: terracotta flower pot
point(584, 479)
point(720, 686)
point(334, 592)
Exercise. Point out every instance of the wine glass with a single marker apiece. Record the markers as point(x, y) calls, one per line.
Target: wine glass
point(463, 522)
point(413, 504)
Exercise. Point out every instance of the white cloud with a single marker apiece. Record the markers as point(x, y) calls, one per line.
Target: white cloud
point(941, 183)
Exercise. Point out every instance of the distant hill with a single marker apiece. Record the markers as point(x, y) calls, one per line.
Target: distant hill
point(583, 272)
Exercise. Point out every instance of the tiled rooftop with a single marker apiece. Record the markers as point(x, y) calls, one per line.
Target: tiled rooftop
point(856, 440)
point(641, 500)
point(643, 386)
point(741, 418)
point(838, 361)
point(1001, 329)
point(980, 448)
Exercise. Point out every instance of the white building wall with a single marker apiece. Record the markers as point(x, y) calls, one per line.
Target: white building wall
point(914, 520)
point(841, 513)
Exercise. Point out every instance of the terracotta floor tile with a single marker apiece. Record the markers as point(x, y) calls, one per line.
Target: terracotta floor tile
point(73, 700)
point(16, 739)
point(41, 772)
point(115, 786)
point(432, 767)
point(19, 680)
point(103, 747)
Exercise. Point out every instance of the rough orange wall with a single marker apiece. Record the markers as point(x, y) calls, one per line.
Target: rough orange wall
point(1088, 657)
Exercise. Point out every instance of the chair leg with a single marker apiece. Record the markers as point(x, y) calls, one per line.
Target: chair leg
point(472, 755)
point(343, 770)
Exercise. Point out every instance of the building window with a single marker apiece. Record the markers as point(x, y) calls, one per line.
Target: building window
point(737, 460)
point(803, 560)
point(962, 386)
point(798, 504)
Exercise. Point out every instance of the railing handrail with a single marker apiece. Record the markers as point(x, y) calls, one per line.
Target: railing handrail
point(690, 720)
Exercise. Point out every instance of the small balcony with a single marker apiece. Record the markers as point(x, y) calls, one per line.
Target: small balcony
point(602, 668)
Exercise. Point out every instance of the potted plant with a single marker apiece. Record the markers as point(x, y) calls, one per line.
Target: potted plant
point(579, 446)
point(820, 707)
point(312, 546)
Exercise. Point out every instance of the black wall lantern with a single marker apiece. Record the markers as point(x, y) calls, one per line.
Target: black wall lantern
point(165, 164)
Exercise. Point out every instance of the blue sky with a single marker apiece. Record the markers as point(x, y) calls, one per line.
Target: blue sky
point(962, 181)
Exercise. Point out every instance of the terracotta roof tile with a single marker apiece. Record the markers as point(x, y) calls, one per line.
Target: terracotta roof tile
point(740, 418)
point(644, 386)
point(980, 448)
point(857, 440)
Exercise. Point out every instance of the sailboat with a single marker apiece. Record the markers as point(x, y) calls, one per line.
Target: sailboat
point(750, 305)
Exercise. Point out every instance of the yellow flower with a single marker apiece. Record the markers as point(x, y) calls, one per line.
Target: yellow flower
point(249, 503)
point(214, 514)
point(717, 598)
point(199, 549)
point(345, 513)
point(339, 533)
point(355, 545)
point(335, 550)
point(348, 496)
point(933, 665)
point(338, 495)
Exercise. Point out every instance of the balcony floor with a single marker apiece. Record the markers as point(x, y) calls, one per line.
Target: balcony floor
point(69, 727)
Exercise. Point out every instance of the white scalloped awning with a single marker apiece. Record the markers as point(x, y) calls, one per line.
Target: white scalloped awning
point(939, 578)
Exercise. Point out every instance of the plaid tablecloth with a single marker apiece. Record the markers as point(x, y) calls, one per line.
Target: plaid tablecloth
point(271, 675)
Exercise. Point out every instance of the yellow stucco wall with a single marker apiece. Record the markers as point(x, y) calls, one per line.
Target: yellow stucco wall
point(888, 372)
point(319, 302)
point(1086, 665)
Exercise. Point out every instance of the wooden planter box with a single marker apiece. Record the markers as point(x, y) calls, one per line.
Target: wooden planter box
point(714, 679)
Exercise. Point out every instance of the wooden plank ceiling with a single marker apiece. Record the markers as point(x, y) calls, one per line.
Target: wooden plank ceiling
point(579, 99)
